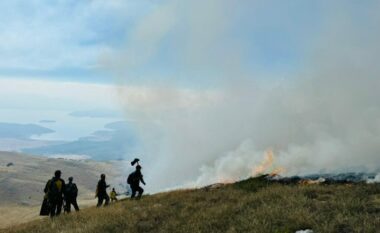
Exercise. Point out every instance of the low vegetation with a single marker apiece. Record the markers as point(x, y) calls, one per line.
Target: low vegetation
point(253, 205)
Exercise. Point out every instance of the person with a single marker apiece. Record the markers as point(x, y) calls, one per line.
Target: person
point(101, 191)
point(54, 191)
point(134, 181)
point(71, 193)
point(113, 195)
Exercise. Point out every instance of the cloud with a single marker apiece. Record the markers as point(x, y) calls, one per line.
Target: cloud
point(45, 35)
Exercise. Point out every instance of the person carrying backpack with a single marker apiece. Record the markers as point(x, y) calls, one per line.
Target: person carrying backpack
point(101, 191)
point(71, 193)
point(134, 181)
point(54, 190)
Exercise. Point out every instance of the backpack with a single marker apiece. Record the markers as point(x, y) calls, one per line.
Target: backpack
point(130, 178)
point(133, 178)
point(71, 190)
point(54, 188)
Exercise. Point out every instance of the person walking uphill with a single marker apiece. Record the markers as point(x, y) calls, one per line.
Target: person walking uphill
point(101, 191)
point(71, 193)
point(54, 190)
point(134, 181)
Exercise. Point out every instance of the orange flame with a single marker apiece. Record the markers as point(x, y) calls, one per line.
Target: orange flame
point(267, 166)
point(310, 182)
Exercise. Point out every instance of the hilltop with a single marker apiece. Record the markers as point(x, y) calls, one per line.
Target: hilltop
point(253, 205)
point(23, 177)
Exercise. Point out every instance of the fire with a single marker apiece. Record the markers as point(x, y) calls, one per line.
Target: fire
point(267, 166)
point(277, 171)
point(310, 182)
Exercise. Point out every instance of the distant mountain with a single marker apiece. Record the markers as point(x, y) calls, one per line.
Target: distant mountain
point(21, 131)
point(113, 143)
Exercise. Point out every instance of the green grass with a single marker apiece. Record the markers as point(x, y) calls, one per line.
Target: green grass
point(253, 205)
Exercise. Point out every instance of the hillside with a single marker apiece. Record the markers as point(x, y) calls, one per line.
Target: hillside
point(23, 177)
point(254, 205)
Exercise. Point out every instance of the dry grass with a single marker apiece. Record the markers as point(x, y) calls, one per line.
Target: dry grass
point(13, 215)
point(249, 206)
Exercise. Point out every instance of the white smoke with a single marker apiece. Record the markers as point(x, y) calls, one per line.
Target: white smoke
point(374, 180)
point(323, 118)
point(305, 231)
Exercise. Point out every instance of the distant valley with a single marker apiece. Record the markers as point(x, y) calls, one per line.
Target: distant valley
point(116, 140)
point(23, 177)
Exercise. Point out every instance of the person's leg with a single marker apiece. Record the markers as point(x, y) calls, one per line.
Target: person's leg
point(133, 191)
point(53, 207)
point(100, 201)
point(59, 206)
point(68, 205)
point(140, 190)
point(65, 207)
point(75, 204)
point(107, 199)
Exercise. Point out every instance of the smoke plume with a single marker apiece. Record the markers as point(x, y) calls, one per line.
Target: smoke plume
point(323, 117)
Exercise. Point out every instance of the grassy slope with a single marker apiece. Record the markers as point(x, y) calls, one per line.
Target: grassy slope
point(248, 206)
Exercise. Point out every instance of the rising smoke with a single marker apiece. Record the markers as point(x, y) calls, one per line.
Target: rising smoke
point(325, 117)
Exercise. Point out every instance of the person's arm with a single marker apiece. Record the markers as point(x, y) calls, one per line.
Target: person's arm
point(75, 190)
point(142, 180)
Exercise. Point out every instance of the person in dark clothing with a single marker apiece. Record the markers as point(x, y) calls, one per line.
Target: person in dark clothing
point(134, 181)
point(71, 193)
point(54, 190)
point(101, 191)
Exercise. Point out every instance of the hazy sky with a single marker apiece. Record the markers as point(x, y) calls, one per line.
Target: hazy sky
point(210, 84)
point(70, 40)
point(103, 43)
point(66, 40)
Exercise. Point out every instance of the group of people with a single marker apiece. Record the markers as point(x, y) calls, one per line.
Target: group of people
point(58, 194)
point(133, 180)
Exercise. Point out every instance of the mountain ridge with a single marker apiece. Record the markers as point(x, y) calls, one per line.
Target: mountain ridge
point(253, 205)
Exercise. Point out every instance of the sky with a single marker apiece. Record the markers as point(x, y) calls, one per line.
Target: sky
point(209, 85)
point(66, 40)
point(71, 40)
point(61, 40)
